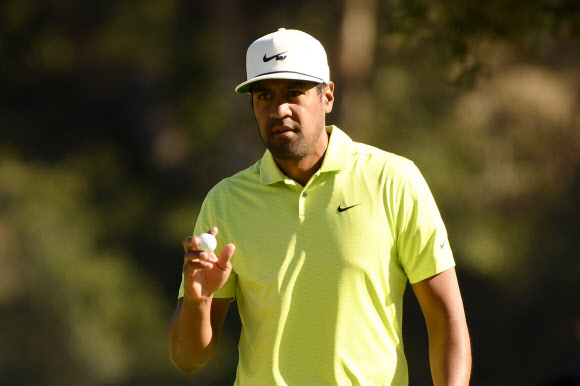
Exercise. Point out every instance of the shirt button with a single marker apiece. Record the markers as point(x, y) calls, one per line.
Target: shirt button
point(304, 194)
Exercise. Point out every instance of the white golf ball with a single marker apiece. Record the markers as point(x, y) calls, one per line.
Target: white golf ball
point(207, 242)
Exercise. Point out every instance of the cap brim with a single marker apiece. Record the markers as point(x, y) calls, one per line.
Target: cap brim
point(246, 86)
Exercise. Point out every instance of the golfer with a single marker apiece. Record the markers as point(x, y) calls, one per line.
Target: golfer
point(316, 242)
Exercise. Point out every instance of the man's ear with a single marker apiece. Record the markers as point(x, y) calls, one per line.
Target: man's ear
point(328, 97)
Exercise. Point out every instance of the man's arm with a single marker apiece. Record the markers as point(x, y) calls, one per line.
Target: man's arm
point(199, 317)
point(194, 331)
point(449, 344)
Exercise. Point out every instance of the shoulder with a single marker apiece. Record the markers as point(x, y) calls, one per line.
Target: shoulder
point(246, 177)
point(381, 160)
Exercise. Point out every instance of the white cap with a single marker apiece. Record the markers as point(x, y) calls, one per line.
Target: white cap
point(285, 54)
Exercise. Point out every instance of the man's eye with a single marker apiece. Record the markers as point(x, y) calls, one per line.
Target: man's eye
point(263, 96)
point(295, 93)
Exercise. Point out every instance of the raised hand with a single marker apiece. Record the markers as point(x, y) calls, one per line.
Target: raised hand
point(203, 271)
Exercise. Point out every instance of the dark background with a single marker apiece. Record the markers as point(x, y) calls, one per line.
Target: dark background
point(116, 117)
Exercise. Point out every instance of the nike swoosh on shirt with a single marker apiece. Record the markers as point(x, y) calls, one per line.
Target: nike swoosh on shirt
point(341, 209)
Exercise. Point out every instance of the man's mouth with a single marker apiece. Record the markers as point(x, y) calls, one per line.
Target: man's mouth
point(282, 127)
point(281, 130)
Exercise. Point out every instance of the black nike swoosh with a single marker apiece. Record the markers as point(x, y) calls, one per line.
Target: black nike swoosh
point(268, 58)
point(341, 209)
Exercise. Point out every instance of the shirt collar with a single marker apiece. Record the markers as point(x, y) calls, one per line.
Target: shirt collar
point(336, 157)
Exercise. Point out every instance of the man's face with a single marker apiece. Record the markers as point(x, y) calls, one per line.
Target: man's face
point(291, 116)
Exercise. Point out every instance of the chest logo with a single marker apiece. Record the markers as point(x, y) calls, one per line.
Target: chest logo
point(341, 209)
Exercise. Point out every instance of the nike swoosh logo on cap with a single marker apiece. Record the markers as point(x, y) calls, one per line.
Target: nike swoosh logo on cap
point(267, 59)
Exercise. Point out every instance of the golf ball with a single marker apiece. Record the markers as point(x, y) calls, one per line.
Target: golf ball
point(207, 242)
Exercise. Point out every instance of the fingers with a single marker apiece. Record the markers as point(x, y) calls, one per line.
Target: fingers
point(195, 256)
point(195, 259)
point(223, 262)
point(213, 231)
point(193, 241)
point(190, 242)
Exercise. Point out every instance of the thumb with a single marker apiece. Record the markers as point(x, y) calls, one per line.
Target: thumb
point(225, 255)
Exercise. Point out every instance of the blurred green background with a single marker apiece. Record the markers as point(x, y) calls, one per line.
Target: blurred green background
point(116, 117)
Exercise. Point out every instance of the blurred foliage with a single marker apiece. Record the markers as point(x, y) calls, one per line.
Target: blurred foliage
point(117, 117)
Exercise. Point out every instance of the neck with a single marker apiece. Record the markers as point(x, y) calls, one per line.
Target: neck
point(302, 170)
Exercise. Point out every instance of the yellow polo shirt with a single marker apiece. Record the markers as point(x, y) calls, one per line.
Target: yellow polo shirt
point(320, 270)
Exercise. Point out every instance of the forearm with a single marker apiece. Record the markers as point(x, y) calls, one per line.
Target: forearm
point(450, 353)
point(449, 346)
point(191, 338)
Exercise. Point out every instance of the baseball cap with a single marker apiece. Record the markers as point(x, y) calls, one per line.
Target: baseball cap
point(285, 54)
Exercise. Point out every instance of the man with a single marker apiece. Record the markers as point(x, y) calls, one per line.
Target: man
point(327, 232)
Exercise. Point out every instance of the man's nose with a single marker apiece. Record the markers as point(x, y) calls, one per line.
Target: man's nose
point(280, 109)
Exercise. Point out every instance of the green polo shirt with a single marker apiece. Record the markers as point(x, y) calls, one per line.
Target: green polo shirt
point(320, 270)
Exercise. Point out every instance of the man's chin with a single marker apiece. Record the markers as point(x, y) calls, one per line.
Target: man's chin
point(286, 152)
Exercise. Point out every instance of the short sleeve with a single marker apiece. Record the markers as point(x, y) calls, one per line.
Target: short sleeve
point(422, 247)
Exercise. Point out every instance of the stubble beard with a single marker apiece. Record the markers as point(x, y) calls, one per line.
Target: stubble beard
point(295, 150)
point(298, 148)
